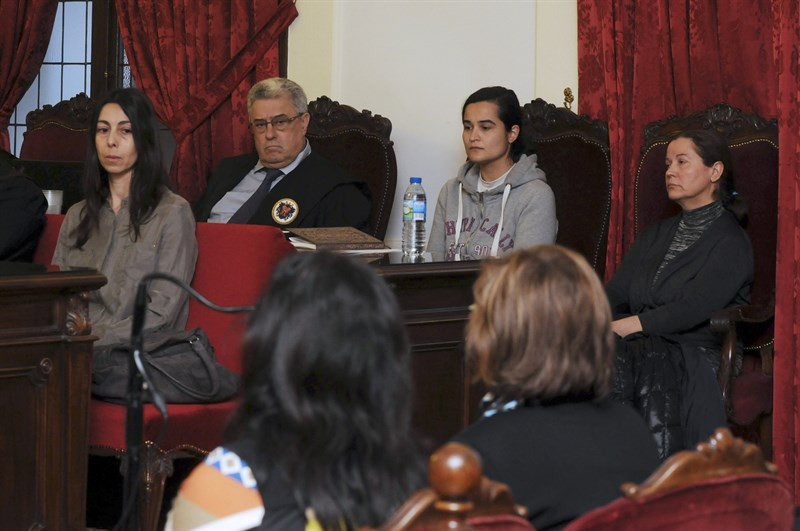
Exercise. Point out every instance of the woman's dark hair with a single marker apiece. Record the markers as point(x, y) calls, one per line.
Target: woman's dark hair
point(712, 147)
point(149, 177)
point(540, 327)
point(508, 110)
point(327, 390)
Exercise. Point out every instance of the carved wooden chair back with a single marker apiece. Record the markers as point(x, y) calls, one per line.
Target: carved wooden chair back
point(753, 143)
point(723, 484)
point(359, 143)
point(574, 154)
point(58, 132)
point(460, 497)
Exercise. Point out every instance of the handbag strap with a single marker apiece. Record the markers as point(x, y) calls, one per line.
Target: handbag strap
point(198, 348)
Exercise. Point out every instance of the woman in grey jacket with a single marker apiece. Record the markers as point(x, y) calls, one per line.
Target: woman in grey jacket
point(130, 223)
point(500, 199)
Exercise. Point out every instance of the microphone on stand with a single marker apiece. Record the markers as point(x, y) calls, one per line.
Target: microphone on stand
point(138, 378)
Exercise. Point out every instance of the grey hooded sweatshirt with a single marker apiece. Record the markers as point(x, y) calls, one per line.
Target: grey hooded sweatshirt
point(487, 226)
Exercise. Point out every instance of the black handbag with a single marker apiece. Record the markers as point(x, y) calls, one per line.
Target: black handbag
point(181, 366)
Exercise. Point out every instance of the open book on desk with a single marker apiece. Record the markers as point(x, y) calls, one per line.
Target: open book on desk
point(346, 239)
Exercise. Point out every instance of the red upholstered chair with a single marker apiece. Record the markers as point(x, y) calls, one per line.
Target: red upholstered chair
point(47, 239)
point(724, 484)
point(58, 132)
point(573, 152)
point(460, 497)
point(754, 148)
point(233, 266)
point(357, 142)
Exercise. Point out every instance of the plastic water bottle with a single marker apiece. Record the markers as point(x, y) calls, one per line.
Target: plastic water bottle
point(414, 207)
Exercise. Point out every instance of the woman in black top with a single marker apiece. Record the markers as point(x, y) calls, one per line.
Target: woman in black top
point(540, 339)
point(676, 273)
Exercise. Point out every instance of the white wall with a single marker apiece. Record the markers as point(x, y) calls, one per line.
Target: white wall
point(415, 63)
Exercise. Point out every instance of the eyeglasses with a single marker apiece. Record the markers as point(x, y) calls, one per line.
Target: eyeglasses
point(279, 124)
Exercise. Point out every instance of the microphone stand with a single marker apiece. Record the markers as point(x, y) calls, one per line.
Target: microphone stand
point(137, 379)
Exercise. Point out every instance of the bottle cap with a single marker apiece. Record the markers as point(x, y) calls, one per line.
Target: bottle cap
point(416, 180)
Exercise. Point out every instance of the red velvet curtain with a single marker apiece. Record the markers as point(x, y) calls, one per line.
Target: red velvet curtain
point(642, 61)
point(196, 62)
point(25, 28)
point(786, 17)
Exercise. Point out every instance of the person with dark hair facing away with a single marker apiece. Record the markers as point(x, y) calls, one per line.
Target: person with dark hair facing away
point(539, 338)
point(676, 273)
point(283, 182)
point(130, 223)
point(322, 436)
point(22, 214)
point(500, 200)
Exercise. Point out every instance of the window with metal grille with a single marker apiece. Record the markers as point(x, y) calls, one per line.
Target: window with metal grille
point(71, 65)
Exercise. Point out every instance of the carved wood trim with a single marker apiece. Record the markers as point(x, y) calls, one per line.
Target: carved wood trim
point(38, 374)
point(78, 322)
point(328, 116)
point(541, 120)
point(73, 114)
point(731, 122)
point(723, 455)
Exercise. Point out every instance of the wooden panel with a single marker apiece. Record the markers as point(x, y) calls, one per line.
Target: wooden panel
point(435, 299)
point(45, 376)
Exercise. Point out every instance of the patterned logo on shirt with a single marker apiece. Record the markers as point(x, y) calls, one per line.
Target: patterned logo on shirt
point(285, 210)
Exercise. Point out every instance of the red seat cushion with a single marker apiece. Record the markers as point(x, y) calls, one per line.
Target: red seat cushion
point(198, 425)
point(234, 264)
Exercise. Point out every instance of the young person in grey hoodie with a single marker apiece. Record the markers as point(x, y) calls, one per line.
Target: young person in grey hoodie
point(500, 199)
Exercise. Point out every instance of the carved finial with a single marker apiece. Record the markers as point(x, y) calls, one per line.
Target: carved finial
point(568, 98)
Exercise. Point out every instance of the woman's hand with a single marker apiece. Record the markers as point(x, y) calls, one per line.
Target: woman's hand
point(626, 326)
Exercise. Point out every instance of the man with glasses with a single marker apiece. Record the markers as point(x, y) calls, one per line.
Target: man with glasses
point(283, 183)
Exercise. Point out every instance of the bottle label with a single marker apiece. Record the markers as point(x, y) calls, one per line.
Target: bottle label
point(413, 210)
point(419, 211)
point(408, 210)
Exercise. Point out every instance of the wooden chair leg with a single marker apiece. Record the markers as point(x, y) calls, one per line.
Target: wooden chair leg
point(157, 467)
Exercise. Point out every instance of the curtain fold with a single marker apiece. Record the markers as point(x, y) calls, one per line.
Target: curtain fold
point(786, 17)
point(196, 62)
point(25, 28)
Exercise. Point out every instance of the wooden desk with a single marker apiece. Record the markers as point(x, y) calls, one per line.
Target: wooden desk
point(45, 378)
point(435, 298)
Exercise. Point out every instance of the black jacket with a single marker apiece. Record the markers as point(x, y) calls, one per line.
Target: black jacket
point(664, 372)
point(325, 195)
point(22, 215)
point(564, 459)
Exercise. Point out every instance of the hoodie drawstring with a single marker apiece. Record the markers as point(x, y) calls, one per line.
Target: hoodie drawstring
point(457, 257)
point(496, 241)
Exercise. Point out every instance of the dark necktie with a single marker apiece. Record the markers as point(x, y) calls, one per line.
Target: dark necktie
point(249, 208)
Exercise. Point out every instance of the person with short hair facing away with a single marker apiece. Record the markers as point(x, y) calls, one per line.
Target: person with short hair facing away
point(539, 338)
point(675, 275)
point(499, 200)
point(283, 182)
point(322, 436)
point(130, 223)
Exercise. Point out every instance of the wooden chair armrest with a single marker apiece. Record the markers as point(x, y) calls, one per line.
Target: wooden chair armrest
point(724, 322)
point(746, 313)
